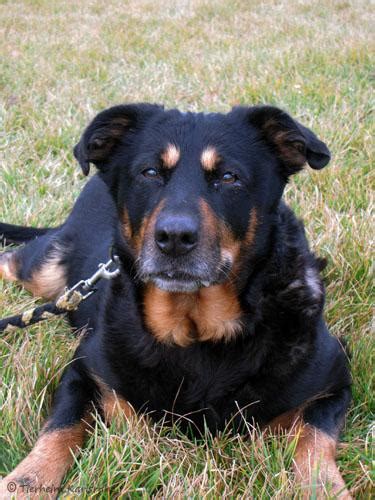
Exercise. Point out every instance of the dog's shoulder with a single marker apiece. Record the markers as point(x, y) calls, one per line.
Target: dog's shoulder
point(289, 283)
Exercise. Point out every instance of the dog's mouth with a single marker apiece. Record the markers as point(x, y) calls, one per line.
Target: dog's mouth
point(177, 282)
point(184, 275)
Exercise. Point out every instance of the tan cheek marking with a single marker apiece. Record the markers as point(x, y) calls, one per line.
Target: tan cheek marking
point(235, 250)
point(210, 223)
point(230, 247)
point(251, 229)
point(217, 231)
point(146, 230)
point(50, 279)
point(170, 156)
point(47, 463)
point(209, 159)
point(126, 226)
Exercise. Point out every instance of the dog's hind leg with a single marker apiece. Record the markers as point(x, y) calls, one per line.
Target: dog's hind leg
point(39, 266)
point(8, 267)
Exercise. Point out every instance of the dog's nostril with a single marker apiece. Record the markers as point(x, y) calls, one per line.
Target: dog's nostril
point(162, 237)
point(188, 238)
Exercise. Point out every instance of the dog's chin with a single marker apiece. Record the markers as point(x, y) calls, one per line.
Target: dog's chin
point(181, 281)
point(178, 286)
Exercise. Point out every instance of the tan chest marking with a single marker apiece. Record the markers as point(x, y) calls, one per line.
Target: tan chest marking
point(213, 314)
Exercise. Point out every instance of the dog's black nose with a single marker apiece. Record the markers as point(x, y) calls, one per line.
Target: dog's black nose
point(176, 234)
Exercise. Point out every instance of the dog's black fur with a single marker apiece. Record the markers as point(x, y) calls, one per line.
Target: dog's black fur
point(184, 225)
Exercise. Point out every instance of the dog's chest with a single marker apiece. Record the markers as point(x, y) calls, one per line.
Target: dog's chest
point(211, 314)
point(203, 382)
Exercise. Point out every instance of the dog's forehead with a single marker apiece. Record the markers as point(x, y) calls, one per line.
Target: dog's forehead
point(193, 132)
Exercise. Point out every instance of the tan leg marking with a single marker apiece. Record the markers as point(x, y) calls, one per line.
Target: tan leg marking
point(315, 465)
point(40, 474)
point(50, 279)
point(8, 266)
point(285, 422)
point(113, 406)
point(314, 458)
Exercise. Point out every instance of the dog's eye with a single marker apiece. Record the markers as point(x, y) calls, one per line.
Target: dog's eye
point(229, 178)
point(150, 172)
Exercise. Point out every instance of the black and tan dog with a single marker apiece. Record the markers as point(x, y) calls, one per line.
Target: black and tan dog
point(216, 316)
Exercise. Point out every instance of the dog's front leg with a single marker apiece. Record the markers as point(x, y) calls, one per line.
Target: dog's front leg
point(315, 465)
point(316, 428)
point(40, 474)
point(315, 455)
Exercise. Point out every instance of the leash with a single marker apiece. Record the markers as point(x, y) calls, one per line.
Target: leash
point(69, 300)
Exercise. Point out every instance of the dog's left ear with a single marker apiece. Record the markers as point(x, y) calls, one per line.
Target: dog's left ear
point(100, 139)
point(294, 144)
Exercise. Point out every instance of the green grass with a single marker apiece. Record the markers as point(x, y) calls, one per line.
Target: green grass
point(61, 62)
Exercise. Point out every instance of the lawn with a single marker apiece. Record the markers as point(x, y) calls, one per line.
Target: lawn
point(63, 61)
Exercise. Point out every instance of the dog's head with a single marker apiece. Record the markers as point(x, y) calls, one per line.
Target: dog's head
point(196, 193)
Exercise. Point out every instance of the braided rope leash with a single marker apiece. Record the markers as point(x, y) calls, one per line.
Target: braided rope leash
point(69, 300)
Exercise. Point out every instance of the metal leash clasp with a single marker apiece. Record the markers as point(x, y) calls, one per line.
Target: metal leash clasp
point(107, 271)
point(104, 272)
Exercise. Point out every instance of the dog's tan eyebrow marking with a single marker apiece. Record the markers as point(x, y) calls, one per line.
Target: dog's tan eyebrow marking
point(209, 158)
point(170, 156)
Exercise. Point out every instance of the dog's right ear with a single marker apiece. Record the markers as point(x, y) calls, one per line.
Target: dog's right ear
point(105, 132)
